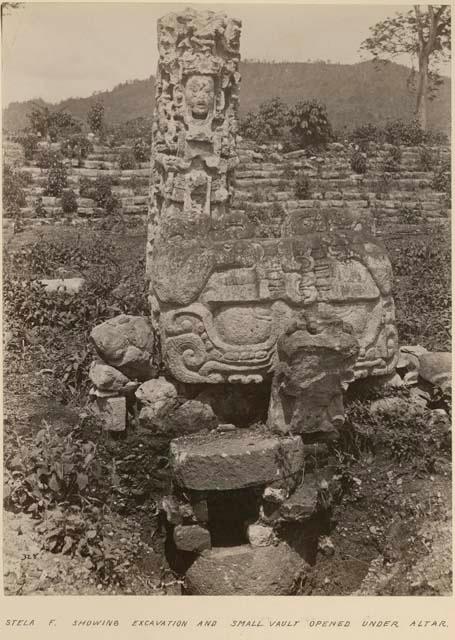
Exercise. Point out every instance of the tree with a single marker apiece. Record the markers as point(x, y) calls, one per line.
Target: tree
point(425, 35)
point(95, 117)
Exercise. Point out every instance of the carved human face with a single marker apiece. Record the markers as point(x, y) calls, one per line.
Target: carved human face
point(199, 95)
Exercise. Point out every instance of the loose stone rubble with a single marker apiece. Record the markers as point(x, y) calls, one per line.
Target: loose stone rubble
point(308, 312)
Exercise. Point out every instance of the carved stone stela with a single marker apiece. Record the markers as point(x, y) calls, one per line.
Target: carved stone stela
point(222, 294)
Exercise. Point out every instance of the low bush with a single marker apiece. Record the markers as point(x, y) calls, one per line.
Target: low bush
point(69, 201)
point(77, 147)
point(309, 124)
point(359, 162)
point(411, 215)
point(127, 160)
point(45, 158)
point(29, 142)
point(398, 132)
point(426, 159)
point(442, 179)
point(392, 160)
point(141, 150)
point(57, 177)
point(302, 187)
point(13, 191)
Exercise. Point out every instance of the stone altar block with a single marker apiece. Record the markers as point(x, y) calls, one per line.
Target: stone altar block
point(221, 294)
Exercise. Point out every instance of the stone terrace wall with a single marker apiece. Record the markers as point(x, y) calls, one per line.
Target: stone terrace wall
point(266, 185)
point(130, 186)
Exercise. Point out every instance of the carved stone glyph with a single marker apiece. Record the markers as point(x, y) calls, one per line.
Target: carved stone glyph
point(316, 357)
point(221, 293)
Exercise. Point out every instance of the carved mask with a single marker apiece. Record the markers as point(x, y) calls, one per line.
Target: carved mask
point(199, 96)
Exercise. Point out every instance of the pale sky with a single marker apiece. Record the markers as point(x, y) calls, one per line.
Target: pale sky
point(61, 50)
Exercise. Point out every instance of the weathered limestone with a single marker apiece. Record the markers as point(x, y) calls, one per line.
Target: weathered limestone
point(221, 292)
point(193, 538)
point(112, 412)
point(126, 343)
point(234, 460)
point(316, 357)
point(436, 368)
point(71, 286)
point(245, 570)
point(106, 378)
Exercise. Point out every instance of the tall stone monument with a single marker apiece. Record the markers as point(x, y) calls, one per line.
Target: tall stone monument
point(311, 308)
point(222, 294)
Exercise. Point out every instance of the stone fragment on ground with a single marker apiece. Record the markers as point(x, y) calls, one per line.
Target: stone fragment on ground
point(63, 285)
point(260, 535)
point(127, 343)
point(397, 405)
point(436, 368)
point(159, 397)
point(326, 546)
point(302, 504)
point(112, 412)
point(192, 538)
point(107, 378)
point(245, 570)
point(234, 460)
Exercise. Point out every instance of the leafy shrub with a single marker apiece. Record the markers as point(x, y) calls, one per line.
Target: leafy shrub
point(359, 162)
point(141, 150)
point(442, 179)
point(302, 187)
point(309, 124)
point(45, 157)
point(40, 211)
point(392, 160)
point(56, 177)
point(13, 191)
point(365, 134)
point(27, 305)
point(411, 215)
point(102, 190)
point(426, 159)
point(398, 132)
point(77, 147)
point(127, 160)
point(69, 201)
point(137, 128)
point(267, 124)
point(86, 188)
point(29, 142)
point(52, 470)
point(95, 117)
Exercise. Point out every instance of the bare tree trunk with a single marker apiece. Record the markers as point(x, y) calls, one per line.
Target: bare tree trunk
point(422, 91)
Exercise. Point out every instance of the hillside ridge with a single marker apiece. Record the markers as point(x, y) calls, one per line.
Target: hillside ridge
point(354, 93)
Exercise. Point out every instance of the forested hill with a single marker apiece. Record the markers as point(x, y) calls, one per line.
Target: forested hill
point(354, 94)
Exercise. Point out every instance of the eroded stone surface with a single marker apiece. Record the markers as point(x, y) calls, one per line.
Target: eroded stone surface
point(126, 343)
point(107, 378)
point(302, 504)
point(260, 535)
point(234, 460)
point(112, 412)
point(436, 368)
point(178, 420)
point(222, 290)
point(191, 538)
point(316, 357)
point(245, 570)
